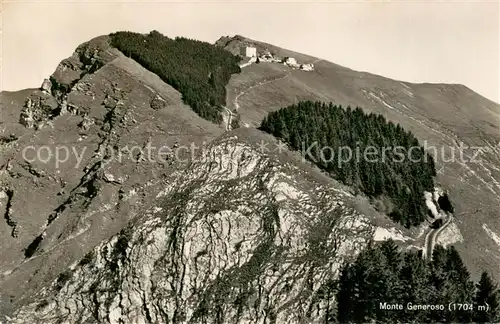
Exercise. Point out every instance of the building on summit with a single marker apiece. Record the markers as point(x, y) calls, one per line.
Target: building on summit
point(249, 51)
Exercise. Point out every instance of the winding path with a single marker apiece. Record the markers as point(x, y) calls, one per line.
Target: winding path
point(433, 235)
point(242, 92)
point(229, 118)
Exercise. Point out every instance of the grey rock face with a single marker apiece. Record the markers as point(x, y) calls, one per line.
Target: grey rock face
point(37, 111)
point(46, 86)
point(236, 237)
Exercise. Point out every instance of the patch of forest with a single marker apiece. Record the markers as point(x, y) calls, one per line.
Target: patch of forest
point(199, 70)
point(383, 274)
point(365, 151)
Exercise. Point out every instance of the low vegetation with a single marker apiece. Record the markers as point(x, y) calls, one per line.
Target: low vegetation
point(362, 150)
point(87, 258)
point(198, 70)
point(445, 204)
point(382, 277)
point(63, 278)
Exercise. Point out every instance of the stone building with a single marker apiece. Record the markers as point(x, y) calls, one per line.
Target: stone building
point(249, 51)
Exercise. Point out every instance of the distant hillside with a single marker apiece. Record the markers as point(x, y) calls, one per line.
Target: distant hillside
point(199, 70)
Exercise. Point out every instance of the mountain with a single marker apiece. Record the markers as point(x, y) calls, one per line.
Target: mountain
point(144, 205)
point(100, 100)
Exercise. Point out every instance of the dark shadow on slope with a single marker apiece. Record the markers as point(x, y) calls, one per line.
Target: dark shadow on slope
point(445, 203)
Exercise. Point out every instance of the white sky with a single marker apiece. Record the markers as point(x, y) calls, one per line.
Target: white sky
point(418, 41)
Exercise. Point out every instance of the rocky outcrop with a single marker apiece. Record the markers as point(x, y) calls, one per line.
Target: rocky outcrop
point(46, 86)
point(157, 102)
point(87, 59)
point(37, 111)
point(237, 237)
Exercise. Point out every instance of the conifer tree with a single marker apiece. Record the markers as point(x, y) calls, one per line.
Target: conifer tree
point(198, 70)
point(487, 294)
point(383, 273)
point(347, 132)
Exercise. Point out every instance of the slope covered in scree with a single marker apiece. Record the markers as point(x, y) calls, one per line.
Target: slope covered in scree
point(199, 70)
point(338, 141)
